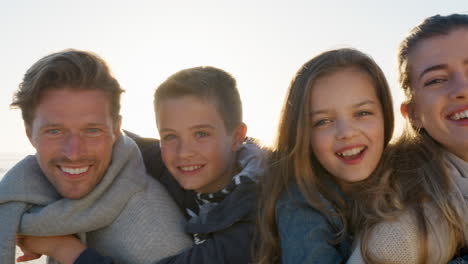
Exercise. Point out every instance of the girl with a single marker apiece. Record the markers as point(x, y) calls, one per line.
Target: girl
point(417, 213)
point(336, 121)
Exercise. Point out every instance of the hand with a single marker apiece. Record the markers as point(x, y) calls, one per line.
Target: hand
point(64, 249)
point(27, 254)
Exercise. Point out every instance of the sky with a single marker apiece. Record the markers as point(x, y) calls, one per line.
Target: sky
point(261, 43)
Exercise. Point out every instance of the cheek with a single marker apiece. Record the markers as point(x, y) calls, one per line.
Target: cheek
point(103, 147)
point(166, 153)
point(319, 141)
point(376, 133)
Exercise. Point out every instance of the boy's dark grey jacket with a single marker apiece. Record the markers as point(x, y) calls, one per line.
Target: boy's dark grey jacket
point(229, 225)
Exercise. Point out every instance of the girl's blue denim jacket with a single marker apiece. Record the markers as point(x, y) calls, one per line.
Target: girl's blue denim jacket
point(305, 233)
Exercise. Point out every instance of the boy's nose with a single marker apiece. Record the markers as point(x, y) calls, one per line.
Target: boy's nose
point(186, 150)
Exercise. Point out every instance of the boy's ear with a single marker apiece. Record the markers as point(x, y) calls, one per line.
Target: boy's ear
point(407, 110)
point(238, 136)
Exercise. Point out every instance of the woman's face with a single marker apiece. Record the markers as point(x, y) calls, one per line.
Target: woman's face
point(438, 71)
point(347, 125)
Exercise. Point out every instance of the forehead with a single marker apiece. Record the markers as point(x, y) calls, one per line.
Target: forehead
point(446, 49)
point(186, 111)
point(345, 87)
point(65, 105)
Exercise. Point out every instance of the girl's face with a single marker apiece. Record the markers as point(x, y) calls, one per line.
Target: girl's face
point(438, 70)
point(347, 125)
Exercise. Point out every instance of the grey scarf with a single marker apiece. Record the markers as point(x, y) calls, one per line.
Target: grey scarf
point(30, 205)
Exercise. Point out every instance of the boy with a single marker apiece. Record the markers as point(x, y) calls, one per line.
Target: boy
point(199, 118)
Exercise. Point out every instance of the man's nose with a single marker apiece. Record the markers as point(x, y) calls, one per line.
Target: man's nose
point(73, 146)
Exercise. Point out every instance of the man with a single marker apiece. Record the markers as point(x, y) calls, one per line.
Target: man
point(86, 178)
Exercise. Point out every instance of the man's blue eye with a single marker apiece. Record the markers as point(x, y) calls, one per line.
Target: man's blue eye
point(53, 131)
point(201, 134)
point(94, 130)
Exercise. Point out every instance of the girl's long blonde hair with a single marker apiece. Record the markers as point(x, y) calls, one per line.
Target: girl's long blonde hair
point(292, 160)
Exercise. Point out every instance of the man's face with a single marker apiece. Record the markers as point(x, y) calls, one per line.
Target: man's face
point(73, 134)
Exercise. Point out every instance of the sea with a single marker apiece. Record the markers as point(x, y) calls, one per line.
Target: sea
point(8, 160)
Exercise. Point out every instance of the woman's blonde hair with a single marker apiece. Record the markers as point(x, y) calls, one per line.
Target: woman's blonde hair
point(292, 160)
point(414, 174)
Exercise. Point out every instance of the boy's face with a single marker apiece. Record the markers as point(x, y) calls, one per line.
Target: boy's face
point(195, 146)
point(439, 79)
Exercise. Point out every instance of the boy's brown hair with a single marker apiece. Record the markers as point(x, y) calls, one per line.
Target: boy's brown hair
point(207, 83)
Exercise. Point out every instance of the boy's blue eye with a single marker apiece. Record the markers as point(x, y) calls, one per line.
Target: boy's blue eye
point(168, 137)
point(201, 134)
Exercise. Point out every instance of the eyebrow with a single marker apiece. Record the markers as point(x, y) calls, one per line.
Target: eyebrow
point(201, 126)
point(433, 68)
point(357, 105)
point(436, 68)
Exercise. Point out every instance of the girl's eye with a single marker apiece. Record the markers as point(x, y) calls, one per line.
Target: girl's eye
point(322, 122)
point(201, 134)
point(434, 81)
point(363, 113)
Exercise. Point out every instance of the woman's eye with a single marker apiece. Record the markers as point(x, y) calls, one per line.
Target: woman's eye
point(434, 81)
point(201, 134)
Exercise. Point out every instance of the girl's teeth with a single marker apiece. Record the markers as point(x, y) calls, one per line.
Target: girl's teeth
point(351, 152)
point(460, 115)
point(74, 170)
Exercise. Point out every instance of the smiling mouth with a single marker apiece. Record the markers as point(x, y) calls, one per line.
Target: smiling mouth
point(459, 115)
point(353, 153)
point(190, 168)
point(74, 171)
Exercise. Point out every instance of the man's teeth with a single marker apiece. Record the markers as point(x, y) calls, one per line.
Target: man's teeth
point(460, 115)
point(351, 152)
point(74, 170)
point(190, 168)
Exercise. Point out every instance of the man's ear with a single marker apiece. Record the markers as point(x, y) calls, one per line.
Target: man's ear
point(238, 136)
point(117, 126)
point(28, 130)
point(407, 111)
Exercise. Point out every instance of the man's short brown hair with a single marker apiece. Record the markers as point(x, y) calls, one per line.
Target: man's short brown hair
point(73, 69)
